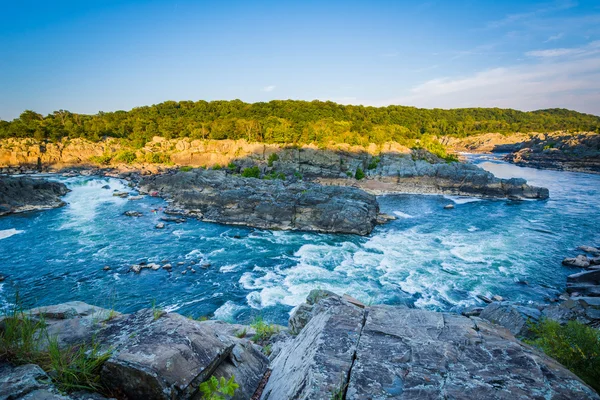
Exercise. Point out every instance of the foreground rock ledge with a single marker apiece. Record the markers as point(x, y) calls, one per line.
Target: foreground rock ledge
point(385, 352)
point(214, 196)
point(20, 194)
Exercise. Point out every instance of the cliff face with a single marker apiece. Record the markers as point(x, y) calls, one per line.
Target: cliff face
point(19, 194)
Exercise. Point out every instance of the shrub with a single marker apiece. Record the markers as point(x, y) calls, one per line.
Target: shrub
point(359, 174)
point(157, 158)
point(217, 167)
point(264, 331)
point(574, 345)
point(275, 175)
point(298, 175)
point(215, 389)
point(232, 167)
point(374, 162)
point(272, 158)
point(186, 169)
point(126, 157)
point(251, 172)
point(104, 159)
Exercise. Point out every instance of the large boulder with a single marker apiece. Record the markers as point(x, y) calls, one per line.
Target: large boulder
point(514, 317)
point(20, 194)
point(214, 196)
point(394, 352)
point(160, 355)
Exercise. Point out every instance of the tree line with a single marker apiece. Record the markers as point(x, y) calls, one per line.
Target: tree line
point(290, 121)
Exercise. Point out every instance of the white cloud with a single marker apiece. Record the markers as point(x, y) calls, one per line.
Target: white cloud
point(561, 81)
point(525, 16)
point(552, 52)
point(269, 88)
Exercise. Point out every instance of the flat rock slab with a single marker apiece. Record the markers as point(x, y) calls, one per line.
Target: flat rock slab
point(19, 194)
point(592, 276)
point(403, 353)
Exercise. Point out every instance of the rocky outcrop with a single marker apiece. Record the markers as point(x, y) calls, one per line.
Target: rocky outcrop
point(557, 150)
point(20, 194)
point(214, 196)
point(386, 352)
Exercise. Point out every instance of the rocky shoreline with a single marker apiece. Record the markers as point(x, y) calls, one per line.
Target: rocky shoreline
point(333, 346)
point(21, 194)
point(577, 152)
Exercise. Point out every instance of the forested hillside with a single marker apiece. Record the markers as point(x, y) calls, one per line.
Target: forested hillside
point(288, 121)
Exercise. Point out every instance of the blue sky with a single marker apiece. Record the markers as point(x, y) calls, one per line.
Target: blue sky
point(88, 56)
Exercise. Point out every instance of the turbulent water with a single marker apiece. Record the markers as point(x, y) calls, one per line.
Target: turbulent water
point(429, 257)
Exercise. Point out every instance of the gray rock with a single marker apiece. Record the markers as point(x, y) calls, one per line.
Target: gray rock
point(511, 316)
point(132, 214)
point(320, 357)
point(589, 249)
point(448, 206)
point(580, 261)
point(16, 382)
point(160, 225)
point(592, 276)
point(270, 204)
point(588, 302)
point(20, 194)
point(584, 289)
point(169, 356)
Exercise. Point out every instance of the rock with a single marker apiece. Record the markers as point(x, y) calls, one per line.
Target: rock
point(592, 276)
point(180, 263)
point(205, 265)
point(183, 272)
point(121, 194)
point(168, 357)
point(497, 298)
point(353, 301)
point(17, 382)
point(135, 198)
point(589, 249)
point(160, 225)
point(214, 196)
point(133, 214)
point(588, 302)
point(2, 278)
point(484, 299)
point(21, 194)
point(299, 318)
point(385, 218)
point(192, 270)
point(472, 311)
point(579, 262)
point(106, 268)
point(584, 289)
point(173, 219)
point(513, 317)
point(321, 355)
point(168, 267)
point(385, 352)
point(594, 261)
point(448, 206)
point(153, 266)
point(106, 187)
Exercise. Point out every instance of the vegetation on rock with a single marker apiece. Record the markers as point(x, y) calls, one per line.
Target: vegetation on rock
point(218, 389)
point(574, 345)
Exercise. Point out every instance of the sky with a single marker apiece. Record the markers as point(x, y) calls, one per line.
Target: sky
point(90, 56)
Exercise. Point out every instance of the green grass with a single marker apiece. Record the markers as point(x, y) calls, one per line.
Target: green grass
point(241, 334)
point(186, 168)
point(157, 312)
point(574, 345)
point(25, 340)
point(264, 331)
point(274, 175)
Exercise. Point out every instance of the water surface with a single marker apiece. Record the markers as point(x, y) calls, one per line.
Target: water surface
point(429, 257)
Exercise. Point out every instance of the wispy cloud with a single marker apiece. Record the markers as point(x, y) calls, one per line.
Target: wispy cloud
point(554, 37)
point(558, 81)
point(541, 10)
point(269, 88)
point(589, 49)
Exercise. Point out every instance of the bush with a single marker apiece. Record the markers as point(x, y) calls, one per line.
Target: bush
point(359, 174)
point(157, 158)
point(272, 158)
point(574, 345)
point(215, 389)
point(251, 172)
point(275, 175)
point(232, 167)
point(374, 162)
point(217, 167)
point(126, 157)
point(104, 159)
point(186, 169)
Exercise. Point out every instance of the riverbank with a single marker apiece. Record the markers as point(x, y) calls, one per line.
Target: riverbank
point(563, 151)
point(333, 346)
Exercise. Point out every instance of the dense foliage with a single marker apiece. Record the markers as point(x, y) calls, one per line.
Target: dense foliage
point(574, 345)
point(290, 121)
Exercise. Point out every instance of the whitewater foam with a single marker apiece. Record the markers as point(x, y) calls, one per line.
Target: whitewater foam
point(9, 232)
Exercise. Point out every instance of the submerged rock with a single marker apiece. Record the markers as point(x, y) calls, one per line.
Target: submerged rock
point(132, 214)
point(270, 204)
point(20, 194)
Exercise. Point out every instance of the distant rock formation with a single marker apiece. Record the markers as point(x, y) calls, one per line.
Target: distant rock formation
point(214, 196)
point(20, 194)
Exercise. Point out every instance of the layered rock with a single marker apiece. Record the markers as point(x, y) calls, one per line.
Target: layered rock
point(20, 194)
point(386, 352)
point(270, 204)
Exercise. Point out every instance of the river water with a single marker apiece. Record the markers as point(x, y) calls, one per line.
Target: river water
point(428, 258)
